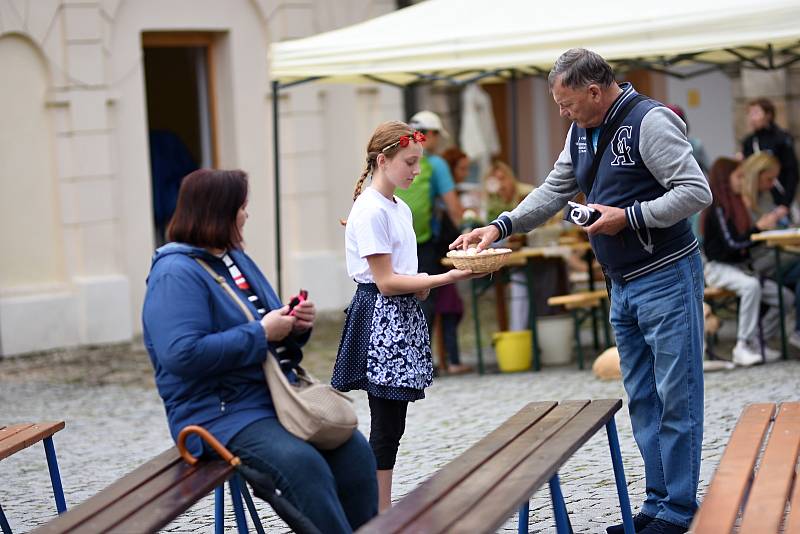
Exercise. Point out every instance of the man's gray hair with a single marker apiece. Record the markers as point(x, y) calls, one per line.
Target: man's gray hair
point(578, 67)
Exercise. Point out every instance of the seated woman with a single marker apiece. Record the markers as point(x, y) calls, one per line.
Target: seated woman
point(208, 357)
point(726, 228)
point(760, 172)
point(503, 191)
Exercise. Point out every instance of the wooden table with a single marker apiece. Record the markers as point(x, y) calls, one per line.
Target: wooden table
point(525, 258)
point(778, 239)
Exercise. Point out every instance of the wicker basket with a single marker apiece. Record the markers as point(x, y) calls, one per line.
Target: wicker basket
point(480, 263)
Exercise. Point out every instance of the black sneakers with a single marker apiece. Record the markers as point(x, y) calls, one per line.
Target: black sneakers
point(640, 521)
point(659, 526)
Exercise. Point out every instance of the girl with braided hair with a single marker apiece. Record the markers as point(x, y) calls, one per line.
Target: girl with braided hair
point(385, 349)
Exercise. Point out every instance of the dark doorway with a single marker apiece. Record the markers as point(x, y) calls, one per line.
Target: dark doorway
point(180, 114)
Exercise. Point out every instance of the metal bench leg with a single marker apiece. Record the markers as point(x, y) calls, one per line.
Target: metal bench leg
point(477, 320)
point(563, 525)
point(251, 507)
point(55, 476)
point(4, 522)
point(576, 323)
point(522, 522)
point(595, 334)
point(219, 509)
point(536, 349)
point(619, 476)
point(234, 485)
point(606, 331)
point(782, 315)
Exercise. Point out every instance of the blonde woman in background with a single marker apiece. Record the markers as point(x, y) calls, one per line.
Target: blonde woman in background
point(760, 173)
point(503, 190)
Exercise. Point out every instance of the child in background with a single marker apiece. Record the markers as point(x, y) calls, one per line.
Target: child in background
point(449, 306)
point(385, 348)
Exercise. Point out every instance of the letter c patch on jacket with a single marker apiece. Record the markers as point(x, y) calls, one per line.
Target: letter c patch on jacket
point(620, 146)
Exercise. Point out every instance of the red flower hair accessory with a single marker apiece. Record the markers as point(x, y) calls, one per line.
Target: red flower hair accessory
point(416, 136)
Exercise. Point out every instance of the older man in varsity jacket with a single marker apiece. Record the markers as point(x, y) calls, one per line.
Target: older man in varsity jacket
point(629, 155)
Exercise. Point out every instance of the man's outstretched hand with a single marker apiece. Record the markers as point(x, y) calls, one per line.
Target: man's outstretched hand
point(484, 236)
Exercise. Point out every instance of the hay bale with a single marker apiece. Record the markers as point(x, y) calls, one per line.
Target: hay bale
point(606, 366)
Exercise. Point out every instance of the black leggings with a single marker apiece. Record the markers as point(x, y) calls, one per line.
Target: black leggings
point(388, 422)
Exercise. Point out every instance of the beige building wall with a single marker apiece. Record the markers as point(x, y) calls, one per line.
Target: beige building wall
point(74, 161)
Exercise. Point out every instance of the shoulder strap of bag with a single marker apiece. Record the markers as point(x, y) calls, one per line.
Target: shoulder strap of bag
point(608, 132)
point(224, 285)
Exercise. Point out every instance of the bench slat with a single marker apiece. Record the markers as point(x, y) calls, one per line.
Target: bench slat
point(583, 298)
point(14, 438)
point(158, 489)
point(146, 499)
point(111, 494)
point(735, 471)
point(767, 501)
point(793, 521)
point(511, 491)
point(710, 293)
point(431, 490)
point(464, 497)
point(177, 498)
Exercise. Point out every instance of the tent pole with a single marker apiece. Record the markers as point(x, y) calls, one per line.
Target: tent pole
point(277, 174)
point(409, 101)
point(514, 120)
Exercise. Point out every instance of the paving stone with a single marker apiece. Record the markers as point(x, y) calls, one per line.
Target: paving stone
point(113, 429)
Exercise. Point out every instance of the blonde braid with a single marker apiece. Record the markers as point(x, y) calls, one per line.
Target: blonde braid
point(385, 140)
point(360, 182)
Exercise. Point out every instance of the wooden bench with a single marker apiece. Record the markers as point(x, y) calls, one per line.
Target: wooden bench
point(756, 496)
point(480, 489)
point(717, 293)
point(14, 438)
point(150, 497)
point(582, 305)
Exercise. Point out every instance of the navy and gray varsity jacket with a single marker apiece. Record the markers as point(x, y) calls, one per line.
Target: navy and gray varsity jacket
point(647, 169)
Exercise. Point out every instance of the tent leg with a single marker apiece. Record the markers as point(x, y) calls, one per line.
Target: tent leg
point(514, 120)
point(277, 173)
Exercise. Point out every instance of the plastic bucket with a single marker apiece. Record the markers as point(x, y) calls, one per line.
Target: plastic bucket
point(513, 350)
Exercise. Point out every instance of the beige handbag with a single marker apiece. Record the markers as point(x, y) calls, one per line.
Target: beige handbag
point(308, 409)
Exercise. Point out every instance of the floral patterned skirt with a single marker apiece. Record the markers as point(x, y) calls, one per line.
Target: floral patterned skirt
point(385, 349)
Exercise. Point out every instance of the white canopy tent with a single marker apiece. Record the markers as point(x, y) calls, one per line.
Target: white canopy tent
point(459, 39)
point(463, 41)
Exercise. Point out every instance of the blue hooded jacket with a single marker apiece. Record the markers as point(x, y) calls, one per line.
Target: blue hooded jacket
point(206, 355)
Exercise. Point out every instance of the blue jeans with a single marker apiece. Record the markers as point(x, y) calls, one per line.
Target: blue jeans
point(791, 279)
point(658, 323)
point(336, 490)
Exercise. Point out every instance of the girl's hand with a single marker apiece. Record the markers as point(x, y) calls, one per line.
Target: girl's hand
point(305, 313)
point(424, 293)
point(457, 274)
point(278, 324)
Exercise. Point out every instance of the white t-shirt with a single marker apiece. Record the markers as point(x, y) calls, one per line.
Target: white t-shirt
point(377, 225)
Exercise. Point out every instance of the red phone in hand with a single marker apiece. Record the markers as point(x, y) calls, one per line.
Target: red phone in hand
point(301, 296)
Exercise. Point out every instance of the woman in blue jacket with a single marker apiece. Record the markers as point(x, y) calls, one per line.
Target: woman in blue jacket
point(208, 358)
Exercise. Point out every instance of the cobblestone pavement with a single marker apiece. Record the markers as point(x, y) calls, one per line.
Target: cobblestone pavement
point(112, 429)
